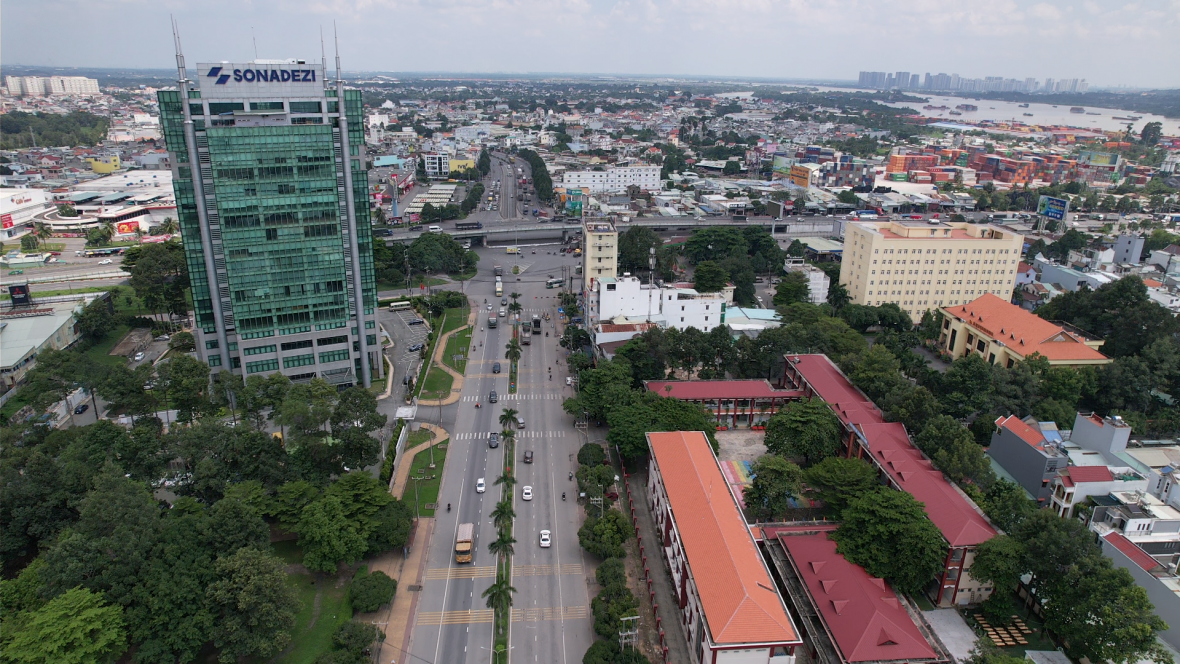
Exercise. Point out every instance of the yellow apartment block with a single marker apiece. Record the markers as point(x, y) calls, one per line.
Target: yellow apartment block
point(920, 265)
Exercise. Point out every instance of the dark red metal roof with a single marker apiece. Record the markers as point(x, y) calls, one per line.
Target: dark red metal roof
point(692, 390)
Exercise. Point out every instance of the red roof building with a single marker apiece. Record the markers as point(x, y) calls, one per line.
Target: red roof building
point(734, 402)
point(888, 446)
point(1004, 334)
point(727, 600)
point(842, 610)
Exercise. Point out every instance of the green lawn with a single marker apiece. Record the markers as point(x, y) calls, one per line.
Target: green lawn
point(426, 489)
point(458, 344)
point(437, 384)
point(100, 352)
point(288, 550)
point(308, 640)
point(456, 318)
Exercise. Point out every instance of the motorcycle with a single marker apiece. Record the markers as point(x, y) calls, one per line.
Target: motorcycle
point(563, 495)
point(448, 507)
point(477, 404)
point(571, 475)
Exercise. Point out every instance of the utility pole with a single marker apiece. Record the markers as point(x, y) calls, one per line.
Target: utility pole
point(629, 633)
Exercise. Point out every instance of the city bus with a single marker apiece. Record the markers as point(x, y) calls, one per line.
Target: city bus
point(499, 289)
point(553, 283)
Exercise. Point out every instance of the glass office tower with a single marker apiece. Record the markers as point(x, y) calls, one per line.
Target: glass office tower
point(275, 220)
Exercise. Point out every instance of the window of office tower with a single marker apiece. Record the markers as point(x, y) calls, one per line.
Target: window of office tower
point(280, 218)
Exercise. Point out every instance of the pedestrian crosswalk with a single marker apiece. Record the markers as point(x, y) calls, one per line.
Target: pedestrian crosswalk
point(489, 571)
point(473, 572)
point(522, 433)
point(538, 614)
point(473, 616)
point(546, 570)
point(520, 396)
point(455, 617)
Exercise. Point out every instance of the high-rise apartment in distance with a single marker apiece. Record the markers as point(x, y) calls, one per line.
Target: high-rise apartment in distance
point(268, 164)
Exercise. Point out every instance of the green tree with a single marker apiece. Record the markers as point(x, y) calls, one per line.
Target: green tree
point(635, 245)
point(731, 168)
point(836, 481)
point(838, 296)
point(370, 590)
point(604, 536)
point(499, 594)
point(744, 293)
point(76, 627)
point(613, 602)
point(792, 288)
point(254, 607)
point(1006, 504)
point(709, 277)
point(952, 448)
point(185, 380)
point(1151, 132)
point(912, 406)
point(632, 419)
point(512, 350)
point(775, 482)
point(29, 243)
point(503, 546)
point(878, 373)
point(848, 197)
point(328, 537)
point(503, 514)
point(606, 651)
point(805, 430)
point(888, 533)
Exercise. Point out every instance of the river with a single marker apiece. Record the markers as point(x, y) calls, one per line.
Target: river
point(1042, 114)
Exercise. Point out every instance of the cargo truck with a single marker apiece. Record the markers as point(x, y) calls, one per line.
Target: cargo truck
point(525, 336)
point(464, 542)
point(497, 270)
point(536, 324)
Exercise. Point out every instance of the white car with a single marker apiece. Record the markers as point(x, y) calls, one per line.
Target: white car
point(569, 380)
point(138, 356)
point(480, 487)
point(105, 261)
point(545, 540)
point(527, 493)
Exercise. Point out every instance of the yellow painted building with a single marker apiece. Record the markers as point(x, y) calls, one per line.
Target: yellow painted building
point(461, 164)
point(600, 258)
point(919, 265)
point(1004, 334)
point(104, 165)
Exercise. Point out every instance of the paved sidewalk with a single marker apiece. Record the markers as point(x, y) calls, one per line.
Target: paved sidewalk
point(661, 582)
point(397, 621)
point(456, 377)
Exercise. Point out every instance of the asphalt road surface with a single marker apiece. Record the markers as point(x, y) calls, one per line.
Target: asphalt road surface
point(551, 616)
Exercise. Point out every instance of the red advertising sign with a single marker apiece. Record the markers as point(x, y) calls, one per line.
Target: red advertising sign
point(126, 227)
point(6, 220)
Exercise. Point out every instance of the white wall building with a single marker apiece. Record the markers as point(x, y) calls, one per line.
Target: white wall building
point(616, 178)
point(17, 209)
point(817, 280)
point(438, 164)
point(627, 299)
point(38, 86)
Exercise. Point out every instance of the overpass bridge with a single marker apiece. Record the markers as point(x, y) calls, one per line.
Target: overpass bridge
point(508, 229)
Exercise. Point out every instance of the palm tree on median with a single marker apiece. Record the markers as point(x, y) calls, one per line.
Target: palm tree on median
point(502, 546)
point(506, 480)
point(507, 417)
point(503, 515)
point(499, 595)
point(512, 350)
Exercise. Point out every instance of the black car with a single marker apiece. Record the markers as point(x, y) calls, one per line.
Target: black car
point(81, 409)
point(503, 301)
point(415, 348)
point(528, 456)
point(493, 440)
point(416, 321)
point(492, 398)
point(495, 367)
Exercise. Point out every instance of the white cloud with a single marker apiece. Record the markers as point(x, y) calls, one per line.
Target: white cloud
point(768, 38)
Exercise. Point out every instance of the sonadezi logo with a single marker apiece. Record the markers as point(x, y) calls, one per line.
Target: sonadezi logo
point(263, 75)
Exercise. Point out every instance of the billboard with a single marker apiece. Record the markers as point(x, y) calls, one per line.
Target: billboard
point(781, 166)
point(126, 227)
point(20, 295)
point(800, 176)
point(6, 220)
point(1052, 208)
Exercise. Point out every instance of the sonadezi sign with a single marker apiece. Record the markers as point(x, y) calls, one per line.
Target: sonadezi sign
point(236, 80)
point(223, 76)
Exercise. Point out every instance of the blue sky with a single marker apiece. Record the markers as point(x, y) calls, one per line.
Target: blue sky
point(1108, 43)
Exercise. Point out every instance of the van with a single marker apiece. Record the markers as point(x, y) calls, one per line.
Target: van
point(434, 229)
point(519, 422)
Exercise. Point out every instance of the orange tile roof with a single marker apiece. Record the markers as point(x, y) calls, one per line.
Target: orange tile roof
point(1022, 332)
point(1021, 429)
point(737, 594)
